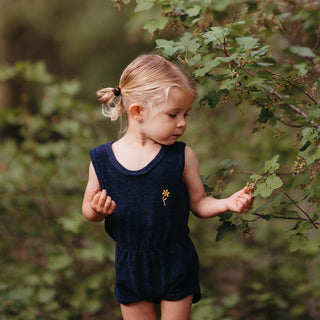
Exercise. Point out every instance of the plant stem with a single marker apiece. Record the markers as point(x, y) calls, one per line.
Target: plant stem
point(303, 211)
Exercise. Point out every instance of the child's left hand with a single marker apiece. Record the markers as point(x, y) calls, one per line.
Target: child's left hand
point(241, 201)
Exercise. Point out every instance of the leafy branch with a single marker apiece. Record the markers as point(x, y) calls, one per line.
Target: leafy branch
point(302, 210)
point(290, 83)
point(268, 217)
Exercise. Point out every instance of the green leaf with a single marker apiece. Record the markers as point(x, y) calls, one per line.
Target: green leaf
point(230, 84)
point(144, 5)
point(226, 216)
point(195, 60)
point(216, 35)
point(309, 134)
point(274, 182)
point(70, 87)
point(261, 52)
point(271, 165)
point(263, 190)
point(228, 163)
point(255, 177)
point(248, 43)
point(274, 203)
point(302, 51)
point(7, 72)
point(227, 229)
point(213, 98)
point(302, 68)
point(208, 66)
point(189, 42)
point(155, 24)
point(290, 213)
point(169, 47)
point(301, 242)
point(315, 113)
point(71, 224)
point(45, 295)
point(267, 217)
point(59, 262)
point(97, 252)
point(310, 155)
point(193, 11)
point(221, 5)
point(21, 293)
point(37, 72)
point(257, 82)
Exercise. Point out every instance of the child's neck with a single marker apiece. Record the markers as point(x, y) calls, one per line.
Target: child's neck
point(135, 152)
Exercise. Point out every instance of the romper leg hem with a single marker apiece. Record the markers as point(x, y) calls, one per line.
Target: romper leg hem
point(182, 295)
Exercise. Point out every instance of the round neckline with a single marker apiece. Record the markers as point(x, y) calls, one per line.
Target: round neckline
point(143, 170)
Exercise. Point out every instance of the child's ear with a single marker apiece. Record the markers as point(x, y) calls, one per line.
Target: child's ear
point(136, 112)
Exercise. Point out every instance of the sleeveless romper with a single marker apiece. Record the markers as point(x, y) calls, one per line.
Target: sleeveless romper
point(155, 258)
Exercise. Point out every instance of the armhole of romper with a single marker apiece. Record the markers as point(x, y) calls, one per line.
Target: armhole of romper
point(182, 158)
point(95, 162)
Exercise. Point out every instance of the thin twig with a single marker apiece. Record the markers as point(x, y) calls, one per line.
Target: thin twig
point(294, 108)
point(303, 211)
point(289, 124)
point(282, 217)
point(291, 83)
point(318, 40)
point(277, 94)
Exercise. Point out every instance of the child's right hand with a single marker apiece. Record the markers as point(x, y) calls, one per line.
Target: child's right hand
point(102, 203)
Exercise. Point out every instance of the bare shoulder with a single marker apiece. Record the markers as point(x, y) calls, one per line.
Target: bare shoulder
point(191, 166)
point(192, 179)
point(190, 157)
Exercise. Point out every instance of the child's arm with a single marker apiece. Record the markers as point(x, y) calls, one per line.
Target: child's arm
point(204, 206)
point(96, 204)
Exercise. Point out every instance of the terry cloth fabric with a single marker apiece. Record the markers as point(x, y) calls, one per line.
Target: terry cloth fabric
point(155, 258)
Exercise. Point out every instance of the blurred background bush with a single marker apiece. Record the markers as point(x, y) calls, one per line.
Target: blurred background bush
point(55, 265)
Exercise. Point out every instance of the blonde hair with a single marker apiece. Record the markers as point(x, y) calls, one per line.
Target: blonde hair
point(146, 80)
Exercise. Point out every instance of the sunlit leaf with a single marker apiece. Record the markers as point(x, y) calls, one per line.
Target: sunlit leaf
point(302, 51)
point(155, 24)
point(144, 5)
point(193, 11)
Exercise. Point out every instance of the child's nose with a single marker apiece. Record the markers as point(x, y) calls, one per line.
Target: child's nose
point(182, 122)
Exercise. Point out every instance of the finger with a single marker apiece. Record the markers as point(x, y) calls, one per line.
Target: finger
point(95, 191)
point(241, 203)
point(242, 191)
point(250, 189)
point(246, 197)
point(112, 207)
point(109, 206)
point(95, 200)
point(102, 199)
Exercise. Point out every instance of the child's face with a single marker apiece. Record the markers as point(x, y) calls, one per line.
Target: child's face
point(167, 122)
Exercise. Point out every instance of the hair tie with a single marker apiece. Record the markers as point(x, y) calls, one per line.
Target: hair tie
point(117, 91)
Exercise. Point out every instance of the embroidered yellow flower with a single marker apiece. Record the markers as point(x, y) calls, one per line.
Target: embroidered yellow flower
point(165, 196)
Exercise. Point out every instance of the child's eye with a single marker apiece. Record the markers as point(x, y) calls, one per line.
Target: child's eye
point(172, 115)
point(186, 115)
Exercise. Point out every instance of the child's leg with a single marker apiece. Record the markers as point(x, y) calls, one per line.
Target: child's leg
point(176, 310)
point(141, 310)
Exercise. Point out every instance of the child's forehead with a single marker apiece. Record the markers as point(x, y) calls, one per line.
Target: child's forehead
point(179, 96)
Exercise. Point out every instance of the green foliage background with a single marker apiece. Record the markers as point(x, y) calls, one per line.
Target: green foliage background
point(257, 120)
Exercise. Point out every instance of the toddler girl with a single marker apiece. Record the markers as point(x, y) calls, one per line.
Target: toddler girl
point(144, 186)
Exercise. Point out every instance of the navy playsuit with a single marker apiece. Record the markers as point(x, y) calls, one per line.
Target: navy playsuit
point(155, 258)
